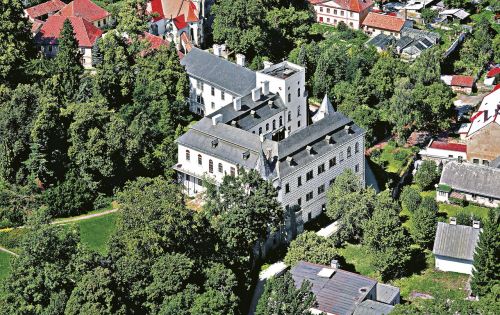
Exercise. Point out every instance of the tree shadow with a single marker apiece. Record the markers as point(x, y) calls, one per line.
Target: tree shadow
point(418, 261)
point(344, 265)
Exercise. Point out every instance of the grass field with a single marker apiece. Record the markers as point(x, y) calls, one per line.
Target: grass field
point(4, 265)
point(452, 210)
point(96, 232)
point(357, 259)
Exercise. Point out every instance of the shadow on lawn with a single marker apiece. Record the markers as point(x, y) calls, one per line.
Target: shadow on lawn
point(418, 261)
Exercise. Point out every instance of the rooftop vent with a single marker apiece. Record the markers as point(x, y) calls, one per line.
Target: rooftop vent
point(215, 142)
point(453, 221)
point(256, 94)
point(252, 112)
point(240, 60)
point(476, 224)
point(217, 49)
point(271, 104)
point(246, 155)
point(265, 87)
point(335, 264)
point(237, 104)
point(363, 290)
point(267, 64)
point(216, 119)
point(329, 139)
point(326, 273)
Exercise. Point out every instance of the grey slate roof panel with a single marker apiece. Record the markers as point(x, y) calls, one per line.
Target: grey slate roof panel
point(369, 307)
point(472, 178)
point(456, 241)
point(381, 40)
point(339, 294)
point(221, 73)
point(386, 293)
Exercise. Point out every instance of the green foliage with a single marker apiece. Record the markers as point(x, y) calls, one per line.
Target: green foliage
point(465, 218)
point(16, 204)
point(476, 50)
point(351, 204)
point(410, 198)
point(428, 15)
point(310, 247)
point(427, 174)
point(280, 297)
point(423, 229)
point(487, 257)
point(132, 18)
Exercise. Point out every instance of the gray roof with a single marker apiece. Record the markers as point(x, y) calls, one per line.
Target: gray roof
point(404, 41)
point(245, 120)
point(219, 72)
point(381, 40)
point(419, 34)
point(472, 178)
point(314, 135)
point(386, 293)
point(369, 307)
point(338, 294)
point(495, 162)
point(456, 241)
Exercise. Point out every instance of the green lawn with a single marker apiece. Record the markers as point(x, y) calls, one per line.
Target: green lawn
point(96, 232)
point(4, 265)
point(452, 210)
point(435, 283)
point(358, 259)
point(322, 29)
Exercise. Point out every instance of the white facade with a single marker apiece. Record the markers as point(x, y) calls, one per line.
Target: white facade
point(450, 264)
point(332, 13)
point(205, 98)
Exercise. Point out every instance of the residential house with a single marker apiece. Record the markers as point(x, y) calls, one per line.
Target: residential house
point(351, 12)
point(454, 246)
point(89, 11)
point(492, 76)
point(483, 132)
point(442, 152)
point(86, 34)
point(179, 21)
point(376, 23)
point(267, 130)
point(341, 292)
point(459, 83)
point(43, 10)
point(474, 183)
point(453, 15)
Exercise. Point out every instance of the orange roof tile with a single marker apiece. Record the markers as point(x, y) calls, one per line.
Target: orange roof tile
point(384, 22)
point(44, 8)
point(462, 80)
point(85, 32)
point(85, 9)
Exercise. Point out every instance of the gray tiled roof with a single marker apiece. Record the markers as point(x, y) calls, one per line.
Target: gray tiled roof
point(472, 178)
point(419, 34)
point(338, 294)
point(404, 41)
point(219, 72)
point(381, 40)
point(495, 162)
point(369, 307)
point(386, 293)
point(456, 241)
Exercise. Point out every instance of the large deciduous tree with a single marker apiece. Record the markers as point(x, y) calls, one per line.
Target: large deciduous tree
point(423, 229)
point(311, 247)
point(426, 175)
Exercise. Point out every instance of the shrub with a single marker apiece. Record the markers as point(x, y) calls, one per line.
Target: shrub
point(410, 198)
point(427, 174)
point(458, 201)
point(400, 155)
point(310, 247)
point(466, 218)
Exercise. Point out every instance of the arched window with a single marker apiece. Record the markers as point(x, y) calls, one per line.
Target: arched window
point(210, 166)
point(274, 124)
point(298, 92)
point(267, 127)
point(289, 115)
point(281, 121)
point(356, 147)
point(199, 159)
point(289, 97)
point(349, 152)
point(260, 130)
point(220, 167)
point(188, 155)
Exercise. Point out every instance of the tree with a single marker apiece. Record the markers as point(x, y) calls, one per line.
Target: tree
point(487, 256)
point(310, 247)
point(68, 69)
point(351, 204)
point(456, 3)
point(212, 302)
point(94, 294)
point(401, 109)
point(387, 239)
point(466, 218)
point(239, 23)
point(180, 303)
point(16, 43)
point(426, 69)
point(410, 198)
point(428, 15)
point(427, 174)
point(280, 297)
point(18, 110)
point(132, 18)
point(423, 229)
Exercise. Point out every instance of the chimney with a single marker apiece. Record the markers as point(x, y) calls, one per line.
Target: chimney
point(267, 64)
point(334, 264)
point(265, 87)
point(347, 129)
point(256, 94)
point(252, 112)
point(329, 139)
point(237, 104)
point(240, 60)
point(217, 50)
point(453, 221)
point(270, 103)
point(262, 138)
point(476, 224)
point(485, 115)
point(309, 150)
point(215, 143)
point(217, 119)
point(234, 123)
point(289, 159)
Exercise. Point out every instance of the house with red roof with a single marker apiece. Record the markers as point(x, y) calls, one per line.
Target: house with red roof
point(444, 151)
point(86, 34)
point(89, 11)
point(350, 12)
point(43, 10)
point(173, 18)
point(459, 83)
point(376, 23)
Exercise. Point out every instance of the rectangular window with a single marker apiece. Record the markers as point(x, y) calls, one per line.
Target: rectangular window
point(333, 162)
point(475, 161)
point(335, 12)
point(309, 176)
point(321, 168)
point(299, 202)
point(309, 196)
point(298, 124)
point(299, 181)
point(188, 178)
point(212, 105)
point(222, 95)
point(321, 189)
point(233, 171)
point(332, 182)
point(356, 168)
point(220, 168)
point(212, 91)
point(327, 10)
point(287, 188)
point(320, 9)
point(341, 157)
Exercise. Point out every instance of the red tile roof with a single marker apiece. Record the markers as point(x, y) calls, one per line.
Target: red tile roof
point(157, 9)
point(85, 32)
point(462, 80)
point(440, 145)
point(384, 22)
point(155, 42)
point(166, 9)
point(50, 6)
point(36, 25)
point(85, 9)
point(496, 87)
point(350, 5)
point(493, 72)
point(180, 22)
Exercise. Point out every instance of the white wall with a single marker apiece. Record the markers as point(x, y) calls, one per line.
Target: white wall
point(454, 265)
point(332, 15)
point(208, 98)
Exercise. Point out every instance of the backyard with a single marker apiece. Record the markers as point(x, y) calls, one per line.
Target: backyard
point(389, 162)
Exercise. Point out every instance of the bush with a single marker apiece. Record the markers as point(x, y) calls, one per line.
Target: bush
point(400, 155)
point(466, 218)
point(410, 198)
point(310, 247)
point(427, 174)
point(458, 201)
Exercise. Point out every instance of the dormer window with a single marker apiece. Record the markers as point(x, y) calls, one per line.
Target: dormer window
point(246, 155)
point(310, 150)
point(215, 142)
point(290, 161)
